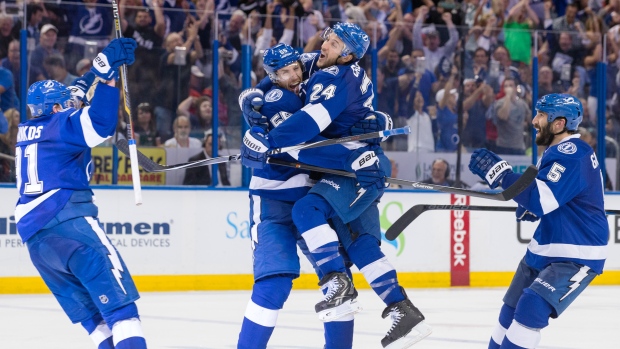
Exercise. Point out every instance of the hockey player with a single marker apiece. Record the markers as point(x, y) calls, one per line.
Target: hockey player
point(569, 247)
point(55, 213)
point(343, 92)
point(273, 192)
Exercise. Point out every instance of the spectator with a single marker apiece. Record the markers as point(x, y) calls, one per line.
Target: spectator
point(421, 137)
point(83, 66)
point(8, 32)
point(204, 10)
point(34, 16)
point(12, 63)
point(564, 59)
point(392, 64)
point(511, 116)
point(356, 15)
point(337, 13)
point(478, 44)
point(200, 112)
point(400, 38)
point(440, 170)
point(394, 175)
point(144, 72)
point(478, 97)
point(447, 120)
point(46, 47)
point(176, 13)
point(174, 74)
point(423, 80)
point(55, 67)
point(145, 127)
point(89, 22)
point(545, 82)
point(202, 175)
point(311, 22)
point(8, 97)
point(7, 145)
point(501, 68)
point(181, 139)
point(196, 81)
point(518, 39)
point(569, 24)
point(432, 51)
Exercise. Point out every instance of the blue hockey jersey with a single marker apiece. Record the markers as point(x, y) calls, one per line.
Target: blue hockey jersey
point(337, 97)
point(568, 196)
point(289, 184)
point(53, 157)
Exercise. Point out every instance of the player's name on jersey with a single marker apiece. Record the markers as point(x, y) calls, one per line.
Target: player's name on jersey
point(28, 133)
point(102, 167)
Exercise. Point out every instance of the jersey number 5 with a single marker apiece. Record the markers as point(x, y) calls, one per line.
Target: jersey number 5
point(34, 185)
point(555, 173)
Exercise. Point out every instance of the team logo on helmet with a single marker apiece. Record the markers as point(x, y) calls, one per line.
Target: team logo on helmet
point(567, 148)
point(273, 95)
point(48, 84)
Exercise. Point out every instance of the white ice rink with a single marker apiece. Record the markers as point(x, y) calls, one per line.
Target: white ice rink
point(461, 319)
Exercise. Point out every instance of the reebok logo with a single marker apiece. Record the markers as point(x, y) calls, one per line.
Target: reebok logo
point(332, 183)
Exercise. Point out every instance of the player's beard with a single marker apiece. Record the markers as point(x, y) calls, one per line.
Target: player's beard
point(545, 136)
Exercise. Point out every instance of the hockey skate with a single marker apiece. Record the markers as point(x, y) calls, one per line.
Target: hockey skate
point(340, 298)
point(408, 326)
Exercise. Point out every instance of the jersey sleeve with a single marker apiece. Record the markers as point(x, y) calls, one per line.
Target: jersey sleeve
point(328, 96)
point(560, 178)
point(92, 125)
point(265, 84)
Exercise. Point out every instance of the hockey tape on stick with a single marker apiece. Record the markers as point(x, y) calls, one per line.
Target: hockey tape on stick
point(151, 166)
point(135, 170)
point(395, 230)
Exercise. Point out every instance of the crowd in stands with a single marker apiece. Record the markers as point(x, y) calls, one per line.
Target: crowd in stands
point(438, 62)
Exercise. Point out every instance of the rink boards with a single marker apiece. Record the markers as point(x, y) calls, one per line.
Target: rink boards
point(198, 239)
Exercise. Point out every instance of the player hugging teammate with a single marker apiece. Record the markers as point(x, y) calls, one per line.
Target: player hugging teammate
point(338, 219)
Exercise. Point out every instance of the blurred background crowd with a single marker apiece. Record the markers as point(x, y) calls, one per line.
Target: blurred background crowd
point(463, 74)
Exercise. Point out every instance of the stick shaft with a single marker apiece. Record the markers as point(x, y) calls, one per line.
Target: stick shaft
point(133, 153)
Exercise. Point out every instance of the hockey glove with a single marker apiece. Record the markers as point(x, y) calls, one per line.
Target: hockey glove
point(118, 52)
point(375, 121)
point(488, 166)
point(368, 173)
point(525, 215)
point(79, 88)
point(254, 148)
point(250, 102)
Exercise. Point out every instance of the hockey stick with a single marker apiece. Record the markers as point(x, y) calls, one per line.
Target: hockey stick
point(414, 212)
point(133, 156)
point(523, 182)
point(151, 166)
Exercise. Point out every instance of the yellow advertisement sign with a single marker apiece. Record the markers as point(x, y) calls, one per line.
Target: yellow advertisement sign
point(102, 163)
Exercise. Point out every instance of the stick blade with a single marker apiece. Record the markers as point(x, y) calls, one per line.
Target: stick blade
point(144, 162)
point(401, 223)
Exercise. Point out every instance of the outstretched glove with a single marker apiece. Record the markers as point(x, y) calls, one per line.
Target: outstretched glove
point(250, 102)
point(488, 166)
point(367, 170)
point(79, 88)
point(525, 215)
point(374, 121)
point(118, 52)
point(254, 148)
